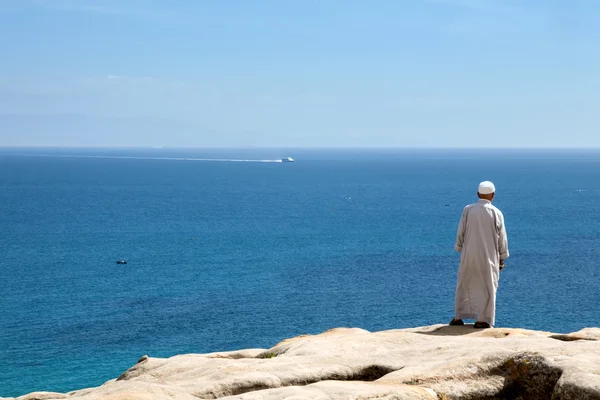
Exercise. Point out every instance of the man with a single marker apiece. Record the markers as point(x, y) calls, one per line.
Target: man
point(483, 247)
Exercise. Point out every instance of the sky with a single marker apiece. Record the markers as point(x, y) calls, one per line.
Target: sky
point(406, 73)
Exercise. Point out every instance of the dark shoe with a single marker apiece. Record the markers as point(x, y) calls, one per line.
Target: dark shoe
point(481, 325)
point(456, 322)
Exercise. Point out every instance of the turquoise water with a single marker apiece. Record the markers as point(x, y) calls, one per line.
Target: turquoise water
point(228, 255)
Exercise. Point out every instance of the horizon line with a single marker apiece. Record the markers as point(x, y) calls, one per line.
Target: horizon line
point(290, 147)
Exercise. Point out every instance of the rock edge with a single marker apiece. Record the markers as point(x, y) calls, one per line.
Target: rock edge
point(431, 362)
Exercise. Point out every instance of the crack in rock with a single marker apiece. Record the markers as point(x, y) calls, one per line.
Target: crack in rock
point(525, 376)
point(368, 373)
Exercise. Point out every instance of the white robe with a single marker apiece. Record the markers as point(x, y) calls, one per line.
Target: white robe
point(482, 243)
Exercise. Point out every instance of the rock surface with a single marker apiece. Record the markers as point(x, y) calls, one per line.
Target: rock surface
point(434, 362)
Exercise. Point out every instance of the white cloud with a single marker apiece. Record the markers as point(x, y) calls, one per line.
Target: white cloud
point(137, 9)
point(492, 16)
point(129, 79)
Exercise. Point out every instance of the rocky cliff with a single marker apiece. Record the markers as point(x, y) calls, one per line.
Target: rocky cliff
point(434, 362)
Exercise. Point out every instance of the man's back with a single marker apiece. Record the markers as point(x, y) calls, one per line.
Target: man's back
point(483, 227)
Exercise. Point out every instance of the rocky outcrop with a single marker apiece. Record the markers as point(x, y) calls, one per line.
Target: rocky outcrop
point(435, 362)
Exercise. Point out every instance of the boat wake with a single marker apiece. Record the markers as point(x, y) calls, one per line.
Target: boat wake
point(144, 158)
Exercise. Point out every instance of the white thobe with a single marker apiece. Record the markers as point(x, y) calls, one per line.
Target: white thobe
point(482, 243)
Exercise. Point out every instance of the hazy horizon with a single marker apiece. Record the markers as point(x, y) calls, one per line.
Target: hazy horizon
point(291, 147)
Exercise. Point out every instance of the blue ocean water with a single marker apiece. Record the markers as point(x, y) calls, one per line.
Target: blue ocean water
point(229, 255)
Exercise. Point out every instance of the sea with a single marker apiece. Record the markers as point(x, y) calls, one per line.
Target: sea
point(227, 248)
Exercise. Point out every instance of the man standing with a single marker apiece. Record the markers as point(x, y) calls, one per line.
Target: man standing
point(483, 247)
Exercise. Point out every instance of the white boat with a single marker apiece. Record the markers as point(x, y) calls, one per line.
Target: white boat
point(287, 159)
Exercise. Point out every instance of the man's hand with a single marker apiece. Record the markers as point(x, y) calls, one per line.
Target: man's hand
point(501, 264)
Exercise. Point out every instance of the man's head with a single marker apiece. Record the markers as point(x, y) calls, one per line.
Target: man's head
point(486, 190)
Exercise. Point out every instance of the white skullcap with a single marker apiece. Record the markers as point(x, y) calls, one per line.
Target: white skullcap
point(486, 187)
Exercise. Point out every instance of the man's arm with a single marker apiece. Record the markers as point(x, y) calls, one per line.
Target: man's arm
point(460, 234)
point(502, 241)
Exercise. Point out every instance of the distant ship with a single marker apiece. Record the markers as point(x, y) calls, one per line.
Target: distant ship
point(287, 159)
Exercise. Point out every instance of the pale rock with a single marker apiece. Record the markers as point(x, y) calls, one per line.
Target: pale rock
point(584, 334)
point(341, 390)
point(43, 396)
point(431, 362)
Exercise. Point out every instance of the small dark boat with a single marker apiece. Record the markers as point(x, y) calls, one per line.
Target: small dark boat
point(121, 262)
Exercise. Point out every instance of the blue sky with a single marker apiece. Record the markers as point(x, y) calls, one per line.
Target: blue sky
point(415, 73)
